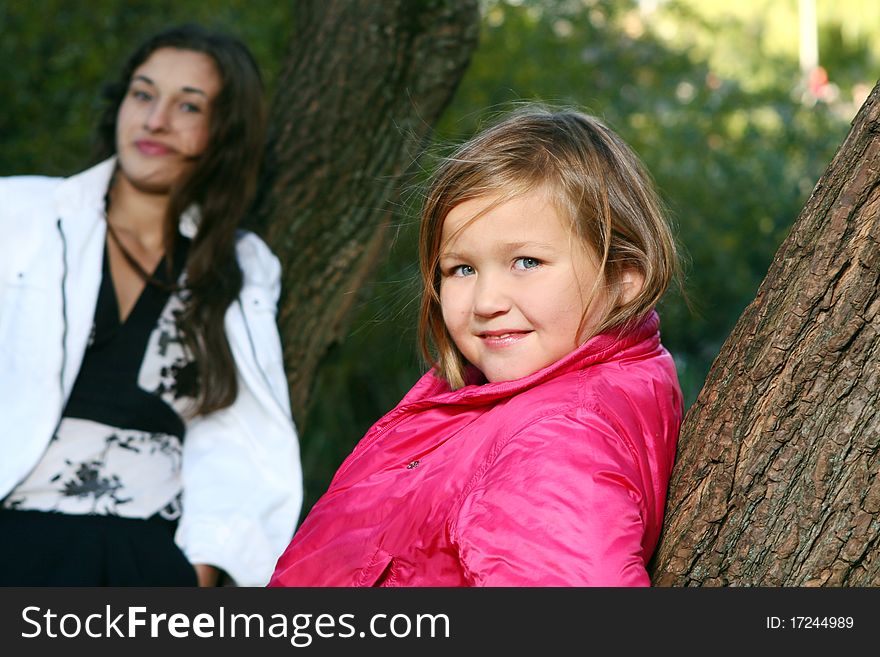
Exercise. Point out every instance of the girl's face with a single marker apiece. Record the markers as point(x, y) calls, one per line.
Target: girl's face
point(514, 284)
point(164, 121)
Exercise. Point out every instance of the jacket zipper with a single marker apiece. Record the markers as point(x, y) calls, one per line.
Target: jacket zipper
point(364, 445)
point(63, 324)
point(63, 307)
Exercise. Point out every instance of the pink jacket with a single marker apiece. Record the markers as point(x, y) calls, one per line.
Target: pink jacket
point(555, 479)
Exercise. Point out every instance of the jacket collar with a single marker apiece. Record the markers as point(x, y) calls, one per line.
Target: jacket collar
point(599, 349)
point(83, 195)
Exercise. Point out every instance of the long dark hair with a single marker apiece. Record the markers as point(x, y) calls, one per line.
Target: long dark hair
point(221, 184)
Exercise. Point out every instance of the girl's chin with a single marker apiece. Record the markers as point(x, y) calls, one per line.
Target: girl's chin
point(503, 375)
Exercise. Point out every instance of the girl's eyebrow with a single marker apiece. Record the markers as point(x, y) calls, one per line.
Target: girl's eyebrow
point(188, 90)
point(516, 246)
point(505, 247)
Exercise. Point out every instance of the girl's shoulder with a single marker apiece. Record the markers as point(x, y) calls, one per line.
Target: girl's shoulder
point(640, 389)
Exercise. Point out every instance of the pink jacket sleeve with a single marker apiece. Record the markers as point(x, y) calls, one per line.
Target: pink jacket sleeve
point(561, 504)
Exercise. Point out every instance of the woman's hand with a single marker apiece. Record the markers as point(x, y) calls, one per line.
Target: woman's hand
point(207, 575)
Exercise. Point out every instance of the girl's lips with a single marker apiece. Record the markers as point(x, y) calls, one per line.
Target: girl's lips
point(147, 147)
point(501, 339)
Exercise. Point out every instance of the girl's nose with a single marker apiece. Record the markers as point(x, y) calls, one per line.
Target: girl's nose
point(490, 296)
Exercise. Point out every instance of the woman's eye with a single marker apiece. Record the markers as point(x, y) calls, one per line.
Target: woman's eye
point(190, 108)
point(526, 263)
point(462, 270)
point(139, 94)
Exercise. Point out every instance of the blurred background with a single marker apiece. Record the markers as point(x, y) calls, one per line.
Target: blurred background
point(736, 108)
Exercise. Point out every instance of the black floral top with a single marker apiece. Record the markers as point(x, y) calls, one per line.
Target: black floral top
point(117, 449)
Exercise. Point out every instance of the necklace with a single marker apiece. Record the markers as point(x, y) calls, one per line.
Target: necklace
point(129, 258)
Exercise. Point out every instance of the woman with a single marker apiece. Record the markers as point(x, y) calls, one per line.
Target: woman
point(148, 434)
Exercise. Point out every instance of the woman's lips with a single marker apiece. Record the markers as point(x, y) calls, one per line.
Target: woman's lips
point(501, 339)
point(147, 147)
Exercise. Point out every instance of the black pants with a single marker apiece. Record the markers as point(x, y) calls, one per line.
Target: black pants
point(40, 548)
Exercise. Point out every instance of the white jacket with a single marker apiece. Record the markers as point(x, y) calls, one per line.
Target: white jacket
point(242, 479)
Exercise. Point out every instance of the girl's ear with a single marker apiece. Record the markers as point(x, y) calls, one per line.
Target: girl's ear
point(631, 283)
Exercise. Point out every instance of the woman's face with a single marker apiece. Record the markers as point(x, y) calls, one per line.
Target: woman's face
point(164, 121)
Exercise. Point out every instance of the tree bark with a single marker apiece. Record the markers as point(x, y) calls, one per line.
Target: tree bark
point(363, 85)
point(777, 481)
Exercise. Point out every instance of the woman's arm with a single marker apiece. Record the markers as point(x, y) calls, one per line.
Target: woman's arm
point(207, 575)
point(242, 479)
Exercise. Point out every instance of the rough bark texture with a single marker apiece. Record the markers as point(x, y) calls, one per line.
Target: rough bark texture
point(363, 86)
point(777, 475)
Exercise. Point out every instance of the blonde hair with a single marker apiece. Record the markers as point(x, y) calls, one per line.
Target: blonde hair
point(593, 178)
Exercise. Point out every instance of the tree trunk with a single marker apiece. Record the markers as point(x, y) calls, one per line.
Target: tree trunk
point(362, 88)
point(777, 475)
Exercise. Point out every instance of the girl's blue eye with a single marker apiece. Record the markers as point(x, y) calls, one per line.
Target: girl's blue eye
point(462, 270)
point(189, 107)
point(141, 95)
point(526, 263)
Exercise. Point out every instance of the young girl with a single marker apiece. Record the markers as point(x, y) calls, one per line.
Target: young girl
point(537, 450)
point(147, 436)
